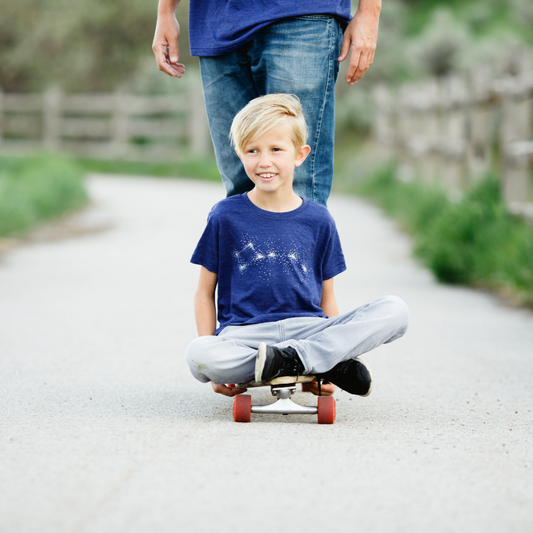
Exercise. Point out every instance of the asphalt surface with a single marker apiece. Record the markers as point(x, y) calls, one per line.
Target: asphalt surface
point(103, 429)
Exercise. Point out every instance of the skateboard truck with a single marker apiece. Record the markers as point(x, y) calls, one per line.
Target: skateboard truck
point(283, 388)
point(283, 404)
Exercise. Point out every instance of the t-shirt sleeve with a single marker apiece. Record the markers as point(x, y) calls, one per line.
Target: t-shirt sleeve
point(207, 249)
point(334, 262)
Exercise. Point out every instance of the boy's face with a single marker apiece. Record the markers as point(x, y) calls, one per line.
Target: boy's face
point(269, 161)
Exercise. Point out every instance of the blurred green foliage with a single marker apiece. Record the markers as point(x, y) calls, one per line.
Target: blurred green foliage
point(79, 45)
point(420, 38)
point(482, 17)
point(36, 189)
point(424, 38)
point(474, 241)
point(99, 45)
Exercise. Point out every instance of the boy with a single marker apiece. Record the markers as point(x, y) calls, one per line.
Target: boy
point(274, 257)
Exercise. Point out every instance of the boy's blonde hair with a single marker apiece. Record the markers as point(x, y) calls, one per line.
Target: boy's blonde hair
point(263, 114)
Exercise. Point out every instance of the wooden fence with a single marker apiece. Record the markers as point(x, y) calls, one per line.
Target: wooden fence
point(105, 125)
point(454, 130)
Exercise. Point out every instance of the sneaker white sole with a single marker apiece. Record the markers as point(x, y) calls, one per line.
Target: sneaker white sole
point(260, 360)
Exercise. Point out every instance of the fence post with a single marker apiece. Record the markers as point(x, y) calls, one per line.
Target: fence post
point(52, 118)
point(383, 123)
point(424, 134)
point(517, 130)
point(198, 128)
point(417, 141)
point(404, 128)
point(119, 139)
point(481, 129)
point(517, 187)
point(431, 132)
point(454, 131)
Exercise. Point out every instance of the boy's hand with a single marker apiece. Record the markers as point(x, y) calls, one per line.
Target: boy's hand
point(360, 38)
point(226, 391)
point(327, 389)
point(165, 45)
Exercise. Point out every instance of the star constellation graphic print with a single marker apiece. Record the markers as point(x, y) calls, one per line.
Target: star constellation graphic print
point(270, 266)
point(266, 259)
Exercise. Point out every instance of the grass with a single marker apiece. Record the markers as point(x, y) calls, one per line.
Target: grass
point(473, 242)
point(36, 189)
point(204, 169)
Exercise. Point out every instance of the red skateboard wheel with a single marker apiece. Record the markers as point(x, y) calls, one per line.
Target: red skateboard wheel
point(327, 409)
point(242, 408)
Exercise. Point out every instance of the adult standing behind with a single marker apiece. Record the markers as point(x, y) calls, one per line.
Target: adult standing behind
point(257, 47)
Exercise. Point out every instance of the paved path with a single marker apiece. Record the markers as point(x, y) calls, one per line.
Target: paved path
point(102, 428)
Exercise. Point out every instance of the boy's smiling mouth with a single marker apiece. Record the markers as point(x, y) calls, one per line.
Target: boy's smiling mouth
point(267, 176)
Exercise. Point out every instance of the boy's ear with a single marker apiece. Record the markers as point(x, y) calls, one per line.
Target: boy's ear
point(238, 154)
point(301, 156)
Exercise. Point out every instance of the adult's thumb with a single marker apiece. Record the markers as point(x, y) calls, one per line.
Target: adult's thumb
point(173, 53)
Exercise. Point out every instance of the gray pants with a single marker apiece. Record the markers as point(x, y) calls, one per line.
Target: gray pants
point(321, 343)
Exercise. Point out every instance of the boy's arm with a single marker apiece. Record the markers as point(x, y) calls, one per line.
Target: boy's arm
point(204, 303)
point(206, 317)
point(328, 302)
point(165, 43)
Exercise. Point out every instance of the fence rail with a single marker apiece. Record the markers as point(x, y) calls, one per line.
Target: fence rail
point(106, 125)
point(454, 130)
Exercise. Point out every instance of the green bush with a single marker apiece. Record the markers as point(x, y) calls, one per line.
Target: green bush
point(417, 208)
point(36, 189)
point(474, 242)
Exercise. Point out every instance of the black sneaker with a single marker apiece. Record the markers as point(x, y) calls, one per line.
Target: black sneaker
point(353, 376)
point(272, 362)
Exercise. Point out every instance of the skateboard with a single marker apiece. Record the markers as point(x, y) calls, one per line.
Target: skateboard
point(282, 388)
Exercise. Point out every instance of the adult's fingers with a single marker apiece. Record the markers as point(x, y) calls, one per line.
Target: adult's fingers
point(164, 63)
point(364, 60)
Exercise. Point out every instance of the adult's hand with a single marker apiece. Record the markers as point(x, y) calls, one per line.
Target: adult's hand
point(360, 38)
point(226, 391)
point(165, 44)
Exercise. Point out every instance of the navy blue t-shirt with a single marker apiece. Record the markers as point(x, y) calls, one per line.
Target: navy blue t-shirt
point(220, 26)
point(270, 266)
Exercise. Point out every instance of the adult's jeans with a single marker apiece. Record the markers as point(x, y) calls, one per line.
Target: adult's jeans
point(296, 56)
point(321, 343)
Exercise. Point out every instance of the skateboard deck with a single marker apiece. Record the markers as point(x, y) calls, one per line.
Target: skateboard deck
point(283, 380)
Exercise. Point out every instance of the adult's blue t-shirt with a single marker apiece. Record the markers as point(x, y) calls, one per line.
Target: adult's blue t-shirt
point(220, 26)
point(270, 266)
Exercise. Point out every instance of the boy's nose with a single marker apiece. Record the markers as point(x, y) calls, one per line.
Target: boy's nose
point(265, 161)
